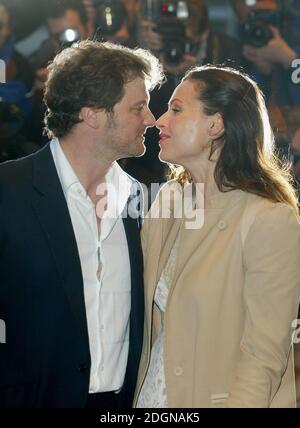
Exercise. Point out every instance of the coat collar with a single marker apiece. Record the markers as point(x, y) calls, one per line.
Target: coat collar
point(52, 212)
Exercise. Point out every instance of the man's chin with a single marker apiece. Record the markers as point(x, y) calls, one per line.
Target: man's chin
point(135, 153)
point(140, 150)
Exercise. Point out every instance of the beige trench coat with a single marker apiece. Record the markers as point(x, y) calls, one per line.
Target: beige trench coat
point(228, 334)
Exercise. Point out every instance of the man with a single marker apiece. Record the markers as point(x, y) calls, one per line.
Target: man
point(71, 292)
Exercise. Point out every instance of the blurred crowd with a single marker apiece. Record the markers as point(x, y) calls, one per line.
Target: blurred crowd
point(266, 44)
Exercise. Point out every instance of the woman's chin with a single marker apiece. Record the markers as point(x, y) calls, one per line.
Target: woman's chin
point(163, 157)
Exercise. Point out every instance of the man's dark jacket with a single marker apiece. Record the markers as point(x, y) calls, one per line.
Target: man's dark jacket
point(46, 361)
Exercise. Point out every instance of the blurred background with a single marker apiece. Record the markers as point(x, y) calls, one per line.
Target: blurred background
point(260, 37)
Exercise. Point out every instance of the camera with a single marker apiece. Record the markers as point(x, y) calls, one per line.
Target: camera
point(169, 18)
point(110, 16)
point(68, 37)
point(50, 47)
point(256, 31)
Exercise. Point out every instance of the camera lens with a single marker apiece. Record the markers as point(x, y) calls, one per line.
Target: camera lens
point(256, 34)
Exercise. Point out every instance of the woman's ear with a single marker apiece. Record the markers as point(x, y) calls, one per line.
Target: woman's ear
point(216, 128)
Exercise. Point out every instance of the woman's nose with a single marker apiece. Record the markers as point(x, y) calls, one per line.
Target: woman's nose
point(160, 123)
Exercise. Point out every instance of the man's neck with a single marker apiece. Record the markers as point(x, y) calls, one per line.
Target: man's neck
point(89, 167)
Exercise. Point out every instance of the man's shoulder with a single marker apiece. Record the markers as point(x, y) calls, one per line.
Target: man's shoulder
point(19, 169)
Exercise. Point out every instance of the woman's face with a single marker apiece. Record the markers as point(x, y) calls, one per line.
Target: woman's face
point(184, 128)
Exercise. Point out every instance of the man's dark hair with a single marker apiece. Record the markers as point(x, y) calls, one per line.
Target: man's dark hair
point(92, 74)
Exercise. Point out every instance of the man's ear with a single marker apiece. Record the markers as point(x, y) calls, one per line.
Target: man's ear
point(90, 117)
point(216, 128)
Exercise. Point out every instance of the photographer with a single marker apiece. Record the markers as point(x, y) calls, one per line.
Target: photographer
point(200, 44)
point(19, 75)
point(66, 23)
point(115, 21)
point(15, 92)
point(61, 17)
point(271, 41)
point(270, 46)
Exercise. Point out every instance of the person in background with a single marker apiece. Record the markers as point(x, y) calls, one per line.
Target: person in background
point(205, 45)
point(16, 92)
point(271, 64)
point(221, 246)
point(19, 76)
point(64, 18)
point(61, 16)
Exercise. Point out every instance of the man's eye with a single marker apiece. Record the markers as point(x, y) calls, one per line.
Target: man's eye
point(175, 110)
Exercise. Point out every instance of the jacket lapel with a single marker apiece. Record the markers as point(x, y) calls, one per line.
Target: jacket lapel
point(52, 211)
point(131, 226)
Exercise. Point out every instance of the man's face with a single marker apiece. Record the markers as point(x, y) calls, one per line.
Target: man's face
point(125, 127)
point(71, 19)
point(5, 30)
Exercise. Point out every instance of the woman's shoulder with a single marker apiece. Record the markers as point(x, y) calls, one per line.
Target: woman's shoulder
point(267, 208)
point(264, 219)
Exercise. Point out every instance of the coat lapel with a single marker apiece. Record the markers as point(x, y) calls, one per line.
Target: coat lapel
point(163, 234)
point(52, 211)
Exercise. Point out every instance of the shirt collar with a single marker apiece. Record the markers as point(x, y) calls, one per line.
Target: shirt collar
point(66, 174)
point(119, 192)
point(119, 183)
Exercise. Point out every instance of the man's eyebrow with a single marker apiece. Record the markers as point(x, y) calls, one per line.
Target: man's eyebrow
point(141, 102)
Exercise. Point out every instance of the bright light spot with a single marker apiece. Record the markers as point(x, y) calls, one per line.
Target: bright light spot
point(70, 35)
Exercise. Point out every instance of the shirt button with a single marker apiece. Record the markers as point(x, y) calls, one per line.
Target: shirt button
point(178, 371)
point(222, 225)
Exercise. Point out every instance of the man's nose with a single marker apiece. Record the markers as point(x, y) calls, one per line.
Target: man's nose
point(150, 119)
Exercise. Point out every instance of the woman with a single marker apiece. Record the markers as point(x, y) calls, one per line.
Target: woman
point(221, 298)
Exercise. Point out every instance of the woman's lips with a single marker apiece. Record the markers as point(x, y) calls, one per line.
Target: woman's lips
point(163, 137)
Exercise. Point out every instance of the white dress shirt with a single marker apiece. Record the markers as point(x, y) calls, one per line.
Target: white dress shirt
point(105, 268)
